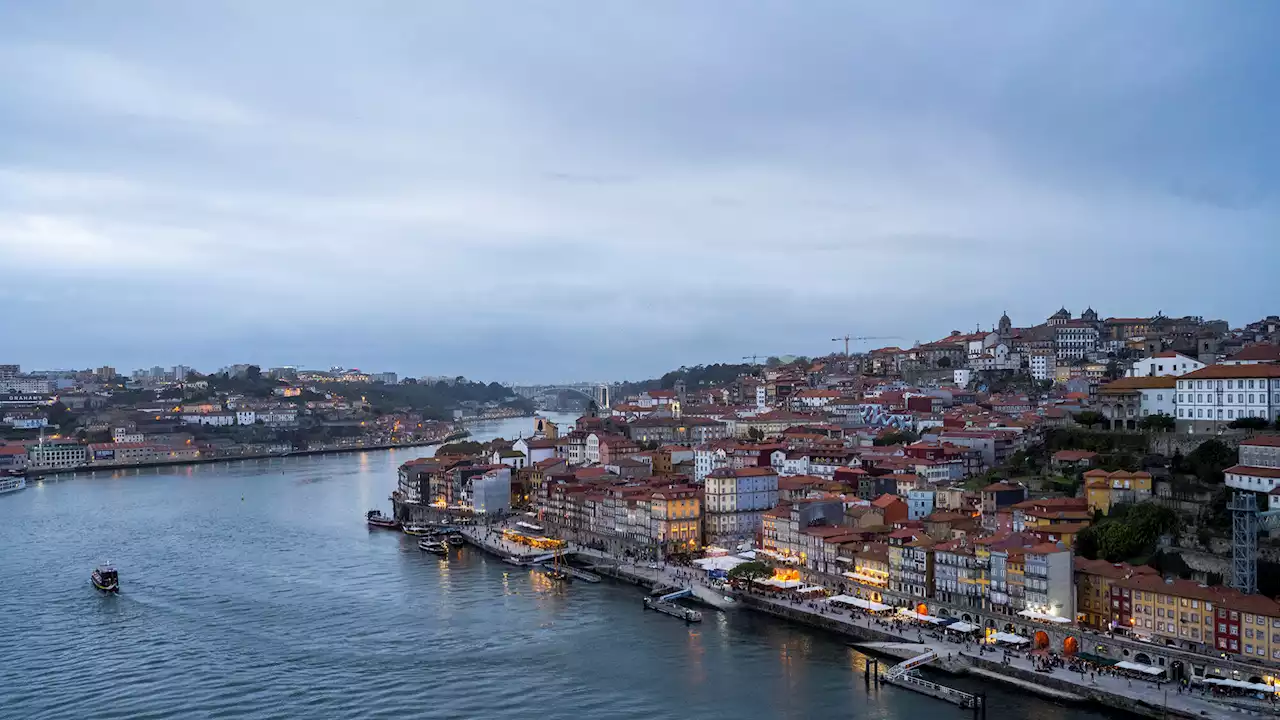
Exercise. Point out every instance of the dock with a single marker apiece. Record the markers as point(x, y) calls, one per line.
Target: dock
point(574, 572)
point(903, 675)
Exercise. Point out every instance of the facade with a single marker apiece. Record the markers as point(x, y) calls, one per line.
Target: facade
point(491, 492)
point(919, 504)
point(1104, 490)
point(1126, 401)
point(1209, 400)
point(736, 500)
point(1074, 340)
point(677, 519)
point(1259, 468)
point(1164, 364)
point(1042, 366)
point(54, 456)
point(1049, 580)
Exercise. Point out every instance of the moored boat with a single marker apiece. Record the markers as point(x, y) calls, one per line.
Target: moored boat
point(12, 483)
point(375, 518)
point(106, 579)
point(417, 530)
point(512, 560)
point(433, 546)
point(457, 539)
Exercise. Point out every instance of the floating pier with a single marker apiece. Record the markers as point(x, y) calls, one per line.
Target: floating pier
point(679, 612)
point(903, 675)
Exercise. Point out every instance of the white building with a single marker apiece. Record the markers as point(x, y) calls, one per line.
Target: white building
point(736, 501)
point(28, 384)
point(1049, 581)
point(57, 455)
point(1208, 400)
point(246, 417)
point(997, 357)
point(1259, 468)
point(762, 397)
point(1075, 339)
point(282, 416)
point(919, 504)
point(125, 435)
point(1164, 364)
point(962, 376)
point(219, 419)
point(1043, 366)
point(388, 378)
point(491, 492)
point(789, 463)
point(708, 457)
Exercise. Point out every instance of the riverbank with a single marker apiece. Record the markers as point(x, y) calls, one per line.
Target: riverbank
point(875, 636)
point(34, 472)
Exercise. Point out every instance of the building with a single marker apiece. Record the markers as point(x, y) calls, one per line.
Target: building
point(1259, 467)
point(121, 453)
point(911, 568)
point(919, 504)
point(735, 502)
point(1093, 591)
point(1167, 363)
point(676, 512)
point(57, 455)
point(1074, 340)
point(490, 492)
point(1104, 490)
point(956, 576)
point(1049, 581)
point(386, 378)
point(1126, 401)
point(1208, 400)
point(1070, 460)
point(1042, 366)
point(13, 458)
point(1256, 354)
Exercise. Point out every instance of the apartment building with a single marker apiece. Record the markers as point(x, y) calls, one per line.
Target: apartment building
point(1209, 400)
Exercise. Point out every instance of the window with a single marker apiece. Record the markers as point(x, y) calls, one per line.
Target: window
point(1251, 394)
point(1250, 384)
point(1235, 645)
point(1199, 385)
point(1222, 628)
point(1160, 612)
point(1235, 630)
point(1248, 648)
point(1235, 615)
point(1195, 604)
point(1195, 617)
point(1248, 634)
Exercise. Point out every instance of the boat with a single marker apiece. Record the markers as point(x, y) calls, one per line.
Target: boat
point(106, 579)
point(433, 546)
point(457, 539)
point(513, 560)
point(417, 530)
point(558, 575)
point(375, 518)
point(12, 484)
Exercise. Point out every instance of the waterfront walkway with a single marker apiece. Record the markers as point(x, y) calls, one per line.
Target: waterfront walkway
point(958, 657)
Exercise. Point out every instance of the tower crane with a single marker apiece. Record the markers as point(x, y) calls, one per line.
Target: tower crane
point(847, 338)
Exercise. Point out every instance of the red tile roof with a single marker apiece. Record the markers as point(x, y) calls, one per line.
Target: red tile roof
point(1263, 441)
point(1219, 372)
point(1258, 352)
point(1265, 472)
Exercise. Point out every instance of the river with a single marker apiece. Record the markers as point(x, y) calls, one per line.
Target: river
point(253, 589)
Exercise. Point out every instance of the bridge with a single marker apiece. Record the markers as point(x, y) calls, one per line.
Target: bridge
point(550, 396)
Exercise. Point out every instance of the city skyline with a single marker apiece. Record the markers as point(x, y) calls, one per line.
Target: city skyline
point(449, 190)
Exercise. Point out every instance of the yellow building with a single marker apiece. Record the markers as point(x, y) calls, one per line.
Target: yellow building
point(1104, 489)
point(677, 515)
point(1093, 590)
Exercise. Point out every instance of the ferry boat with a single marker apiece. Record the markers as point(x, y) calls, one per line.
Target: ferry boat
point(433, 546)
point(457, 539)
point(12, 483)
point(106, 579)
point(416, 530)
point(375, 518)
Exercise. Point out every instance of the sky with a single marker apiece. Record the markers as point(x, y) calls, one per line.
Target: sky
point(553, 191)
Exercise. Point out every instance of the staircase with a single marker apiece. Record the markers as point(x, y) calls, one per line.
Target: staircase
point(902, 668)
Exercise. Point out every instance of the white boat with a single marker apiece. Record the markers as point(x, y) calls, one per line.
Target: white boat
point(12, 483)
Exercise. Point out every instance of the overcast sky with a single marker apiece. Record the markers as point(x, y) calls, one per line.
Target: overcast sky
point(540, 191)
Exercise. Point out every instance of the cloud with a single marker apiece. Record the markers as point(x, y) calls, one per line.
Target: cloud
point(546, 192)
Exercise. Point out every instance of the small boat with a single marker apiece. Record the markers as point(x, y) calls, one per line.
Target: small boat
point(556, 574)
point(375, 518)
point(512, 560)
point(417, 530)
point(457, 539)
point(433, 546)
point(106, 579)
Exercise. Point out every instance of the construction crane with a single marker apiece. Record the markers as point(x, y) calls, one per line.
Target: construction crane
point(847, 338)
point(755, 359)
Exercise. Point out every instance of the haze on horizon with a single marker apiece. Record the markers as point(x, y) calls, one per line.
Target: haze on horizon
point(552, 191)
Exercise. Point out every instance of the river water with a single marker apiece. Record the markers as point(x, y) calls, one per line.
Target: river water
point(253, 589)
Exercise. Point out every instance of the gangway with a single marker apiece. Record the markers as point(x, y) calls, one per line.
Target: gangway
point(671, 597)
point(548, 556)
point(906, 666)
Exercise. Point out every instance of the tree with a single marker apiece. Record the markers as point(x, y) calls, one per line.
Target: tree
point(253, 373)
point(1157, 423)
point(750, 571)
point(944, 362)
point(1209, 460)
point(1113, 370)
point(1249, 423)
point(755, 433)
point(897, 437)
point(61, 416)
point(593, 408)
point(1086, 544)
point(772, 361)
point(1090, 418)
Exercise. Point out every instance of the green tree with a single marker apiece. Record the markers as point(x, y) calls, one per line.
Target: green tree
point(61, 416)
point(750, 571)
point(772, 361)
point(1157, 423)
point(1209, 460)
point(755, 433)
point(1249, 423)
point(1086, 544)
point(1090, 418)
point(944, 362)
point(897, 437)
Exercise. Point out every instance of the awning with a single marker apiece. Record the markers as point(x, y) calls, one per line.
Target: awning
point(1241, 685)
point(962, 627)
point(1010, 638)
point(844, 560)
point(1042, 617)
point(859, 603)
point(1139, 667)
point(1096, 659)
point(812, 589)
point(917, 616)
point(722, 562)
point(781, 584)
point(863, 578)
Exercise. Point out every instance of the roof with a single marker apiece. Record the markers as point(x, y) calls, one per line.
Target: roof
point(1074, 455)
point(1110, 570)
point(1222, 372)
point(1002, 487)
point(886, 500)
point(1131, 384)
point(1258, 352)
point(1265, 472)
point(1263, 441)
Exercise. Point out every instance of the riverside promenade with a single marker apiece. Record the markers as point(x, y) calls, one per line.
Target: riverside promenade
point(1137, 696)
